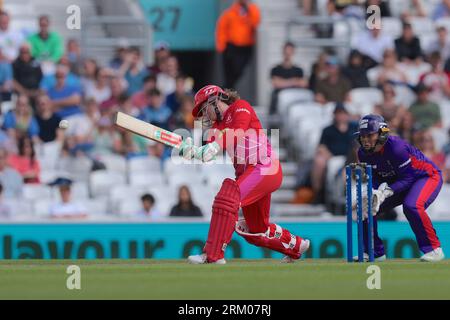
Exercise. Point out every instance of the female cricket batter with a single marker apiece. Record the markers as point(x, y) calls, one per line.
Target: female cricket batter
point(236, 128)
point(404, 176)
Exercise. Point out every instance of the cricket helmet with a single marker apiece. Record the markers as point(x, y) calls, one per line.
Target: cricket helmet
point(373, 123)
point(205, 94)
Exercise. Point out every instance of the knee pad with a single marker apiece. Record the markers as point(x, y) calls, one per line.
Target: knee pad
point(228, 198)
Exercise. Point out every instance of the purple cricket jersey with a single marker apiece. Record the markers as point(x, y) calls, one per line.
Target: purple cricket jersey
point(399, 164)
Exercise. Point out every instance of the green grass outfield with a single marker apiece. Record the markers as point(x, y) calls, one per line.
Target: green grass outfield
point(239, 279)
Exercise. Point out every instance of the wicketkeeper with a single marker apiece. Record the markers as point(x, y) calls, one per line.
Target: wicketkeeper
point(237, 129)
point(402, 175)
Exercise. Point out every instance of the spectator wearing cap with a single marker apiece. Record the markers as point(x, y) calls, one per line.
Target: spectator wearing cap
point(149, 210)
point(46, 45)
point(141, 99)
point(157, 112)
point(355, 70)
point(6, 78)
point(25, 161)
point(286, 75)
point(173, 100)
point(162, 52)
point(10, 179)
point(408, 47)
point(426, 113)
point(334, 87)
point(47, 120)
point(372, 44)
point(66, 99)
point(10, 40)
point(67, 208)
point(436, 79)
point(336, 140)
point(185, 206)
point(27, 73)
point(166, 79)
point(20, 121)
point(441, 44)
point(133, 70)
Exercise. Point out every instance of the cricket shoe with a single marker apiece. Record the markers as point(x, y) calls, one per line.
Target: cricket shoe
point(201, 259)
point(304, 246)
point(366, 258)
point(433, 256)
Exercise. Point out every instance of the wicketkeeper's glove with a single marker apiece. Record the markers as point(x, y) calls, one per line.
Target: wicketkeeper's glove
point(379, 196)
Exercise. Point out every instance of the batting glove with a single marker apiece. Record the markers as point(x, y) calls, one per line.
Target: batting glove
point(187, 149)
point(207, 152)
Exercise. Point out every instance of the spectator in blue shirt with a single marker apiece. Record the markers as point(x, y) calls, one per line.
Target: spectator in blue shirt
point(6, 78)
point(20, 121)
point(157, 113)
point(133, 70)
point(174, 99)
point(66, 99)
point(72, 79)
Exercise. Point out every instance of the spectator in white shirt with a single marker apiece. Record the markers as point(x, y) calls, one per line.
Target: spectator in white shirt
point(67, 208)
point(100, 90)
point(10, 179)
point(372, 44)
point(10, 40)
point(441, 44)
point(166, 82)
point(149, 210)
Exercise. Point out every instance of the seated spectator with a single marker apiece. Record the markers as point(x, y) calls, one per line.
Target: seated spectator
point(72, 80)
point(426, 113)
point(100, 89)
point(173, 100)
point(162, 52)
point(46, 45)
point(355, 70)
point(436, 79)
point(166, 78)
point(10, 179)
point(336, 140)
point(441, 44)
point(105, 139)
point(66, 208)
point(134, 71)
point(141, 99)
point(157, 113)
point(385, 11)
point(406, 127)
point(442, 10)
point(427, 145)
point(185, 206)
point(10, 39)
point(414, 9)
point(20, 121)
point(73, 55)
point(285, 75)
point(335, 87)
point(372, 44)
point(6, 78)
point(5, 209)
point(27, 73)
point(47, 120)
point(391, 111)
point(66, 99)
point(318, 71)
point(126, 105)
point(183, 117)
point(388, 71)
point(111, 105)
point(408, 47)
point(88, 73)
point(25, 161)
point(149, 210)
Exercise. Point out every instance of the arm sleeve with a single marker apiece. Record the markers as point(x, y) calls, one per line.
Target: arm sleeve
point(405, 172)
point(254, 15)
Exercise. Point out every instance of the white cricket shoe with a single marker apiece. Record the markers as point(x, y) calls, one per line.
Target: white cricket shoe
point(366, 258)
point(304, 246)
point(433, 256)
point(201, 259)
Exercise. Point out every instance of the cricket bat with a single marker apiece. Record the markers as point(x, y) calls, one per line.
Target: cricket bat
point(147, 130)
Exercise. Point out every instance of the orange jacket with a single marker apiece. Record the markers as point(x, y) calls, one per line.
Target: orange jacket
point(237, 29)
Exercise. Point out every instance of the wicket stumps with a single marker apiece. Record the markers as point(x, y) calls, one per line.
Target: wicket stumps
point(363, 175)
